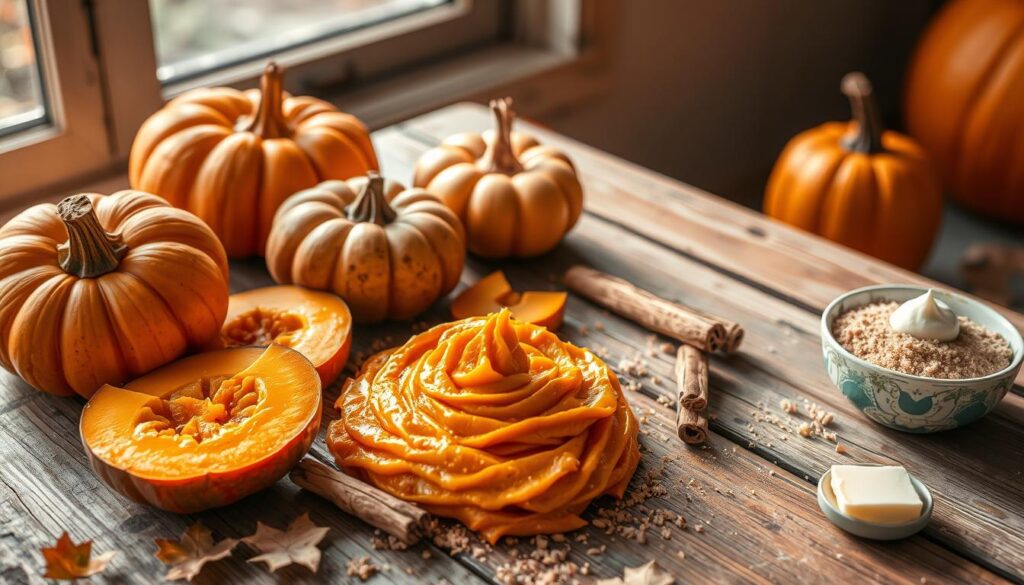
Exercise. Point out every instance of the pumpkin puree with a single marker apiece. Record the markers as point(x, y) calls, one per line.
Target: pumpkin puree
point(491, 421)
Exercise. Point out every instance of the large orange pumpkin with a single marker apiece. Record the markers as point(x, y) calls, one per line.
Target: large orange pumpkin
point(232, 157)
point(101, 289)
point(852, 183)
point(204, 431)
point(515, 196)
point(388, 252)
point(964, 103)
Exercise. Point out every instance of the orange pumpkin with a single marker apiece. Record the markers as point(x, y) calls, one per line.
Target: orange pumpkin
point(852, 183)
point(390, 253)
point(964, 102)
point(493, 292)
point(316, 324)
point(232, 157)
point(101, 289)
point(515, 196)
point(205, 431)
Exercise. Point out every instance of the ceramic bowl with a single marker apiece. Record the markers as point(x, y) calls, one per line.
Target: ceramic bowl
point(827, 503)
point(909, 403)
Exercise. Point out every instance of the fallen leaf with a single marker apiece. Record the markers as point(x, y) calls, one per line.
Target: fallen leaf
point(67, 560)
point(195, 549)
point(647, 574)
point(281, 548)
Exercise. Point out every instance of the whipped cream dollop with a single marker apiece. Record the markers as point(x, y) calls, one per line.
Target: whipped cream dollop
point(926, 317)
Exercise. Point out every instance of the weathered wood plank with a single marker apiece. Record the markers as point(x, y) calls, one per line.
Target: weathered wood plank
point(793, 264)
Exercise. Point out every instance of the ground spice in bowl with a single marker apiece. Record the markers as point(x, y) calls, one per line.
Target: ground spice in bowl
point(864, 331)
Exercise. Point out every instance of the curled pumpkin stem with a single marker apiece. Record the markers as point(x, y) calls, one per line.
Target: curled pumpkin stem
point(499, 157)
point(268, 121)
point(89, 250)
point(372, 205)
point(866, 135)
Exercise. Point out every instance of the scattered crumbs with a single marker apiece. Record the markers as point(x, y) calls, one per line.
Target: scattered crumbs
point(584, 330)
point(668, 348)
point(599, 326)
point(804, 430)
point(425, 555)
point(380, 541)
point(699, 529)
point(840, 449)
point(361, 567)
point(788, 407)
point(680, 555)
point(771, 472)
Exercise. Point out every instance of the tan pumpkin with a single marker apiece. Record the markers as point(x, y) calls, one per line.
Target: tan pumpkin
point(389, 252)
point(515, 196)
point(232, 157)
point(98, 290)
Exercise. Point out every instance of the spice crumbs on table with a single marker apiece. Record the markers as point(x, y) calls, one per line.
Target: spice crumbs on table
point(361, 567)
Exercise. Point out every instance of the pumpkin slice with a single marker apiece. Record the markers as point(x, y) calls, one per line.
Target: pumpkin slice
point(491, 293)
point(207, 430)
point(316, 324)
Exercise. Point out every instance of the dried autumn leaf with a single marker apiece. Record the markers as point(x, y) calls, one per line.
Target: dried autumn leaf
point(67, 560)
point(646, 574)
point(195, 549)
point(281, 548)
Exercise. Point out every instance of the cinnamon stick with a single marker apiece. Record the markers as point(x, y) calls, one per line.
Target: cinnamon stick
point(692, 377)
point(377, 508)
point(653, 312)
point(692, 395)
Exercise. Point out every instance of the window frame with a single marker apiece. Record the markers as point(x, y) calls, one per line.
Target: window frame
point(526, 48)
point(73, 140)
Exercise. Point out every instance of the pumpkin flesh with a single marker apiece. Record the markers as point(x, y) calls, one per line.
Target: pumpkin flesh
point(491, 421)
point(316, 324)
point(205, 431)
point(493, 292)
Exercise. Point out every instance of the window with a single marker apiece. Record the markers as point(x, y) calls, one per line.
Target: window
point(77, 78)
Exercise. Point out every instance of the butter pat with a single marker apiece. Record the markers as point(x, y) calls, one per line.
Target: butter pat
point(879, 495)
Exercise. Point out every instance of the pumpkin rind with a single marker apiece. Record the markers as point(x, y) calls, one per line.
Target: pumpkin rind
point(870, 190)
point(177, 472)
point(64, 334)
point(232, 157)
point(384, 266)
point(964, 102)
point(514, 196)
point(493, 292)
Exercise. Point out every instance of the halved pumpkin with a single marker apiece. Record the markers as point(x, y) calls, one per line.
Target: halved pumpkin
point(204, 431)
point(492, 292)
point(316, 324)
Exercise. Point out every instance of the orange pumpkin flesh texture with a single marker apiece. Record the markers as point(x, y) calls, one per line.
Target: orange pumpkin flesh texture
point(388, 252)
point(514, 196)
point(135, 286)
point(492, 292)
point(964, 102)
point(316, 324)
point(207, 430)
point(851, 183)
point(491, 421)
point(232, 157)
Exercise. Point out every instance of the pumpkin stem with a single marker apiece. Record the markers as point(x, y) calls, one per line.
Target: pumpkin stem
point(499, 157)
point(371, 206)
point(89, 251)
point(268, 121)
point(866, 136)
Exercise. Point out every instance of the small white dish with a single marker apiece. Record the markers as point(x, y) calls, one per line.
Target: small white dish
point(827, 503)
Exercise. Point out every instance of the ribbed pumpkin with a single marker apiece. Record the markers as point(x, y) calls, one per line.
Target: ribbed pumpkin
point(964, 103)
point(515, 196)
point(97, 290)
point(852, 183)
point(388, 252)
point(232, 157)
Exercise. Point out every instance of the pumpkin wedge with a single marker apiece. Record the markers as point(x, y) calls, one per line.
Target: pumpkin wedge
point(316, 324)
point(492, 292)
point(204, 431)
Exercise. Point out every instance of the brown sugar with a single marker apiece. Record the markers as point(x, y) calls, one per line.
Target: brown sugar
point(865, 332)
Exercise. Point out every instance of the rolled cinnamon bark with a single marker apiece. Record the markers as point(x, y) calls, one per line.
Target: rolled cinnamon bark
point(692, 377)
point(647, 309)
point(692, 395)
point(377, 508)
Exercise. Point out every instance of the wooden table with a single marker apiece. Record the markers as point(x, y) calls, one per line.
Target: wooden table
point(751, 487)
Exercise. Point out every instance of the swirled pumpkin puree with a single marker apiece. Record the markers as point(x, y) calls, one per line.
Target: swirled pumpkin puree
point(491, 421)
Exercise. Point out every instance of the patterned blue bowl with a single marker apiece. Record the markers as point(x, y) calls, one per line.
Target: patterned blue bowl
point(916, 404)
